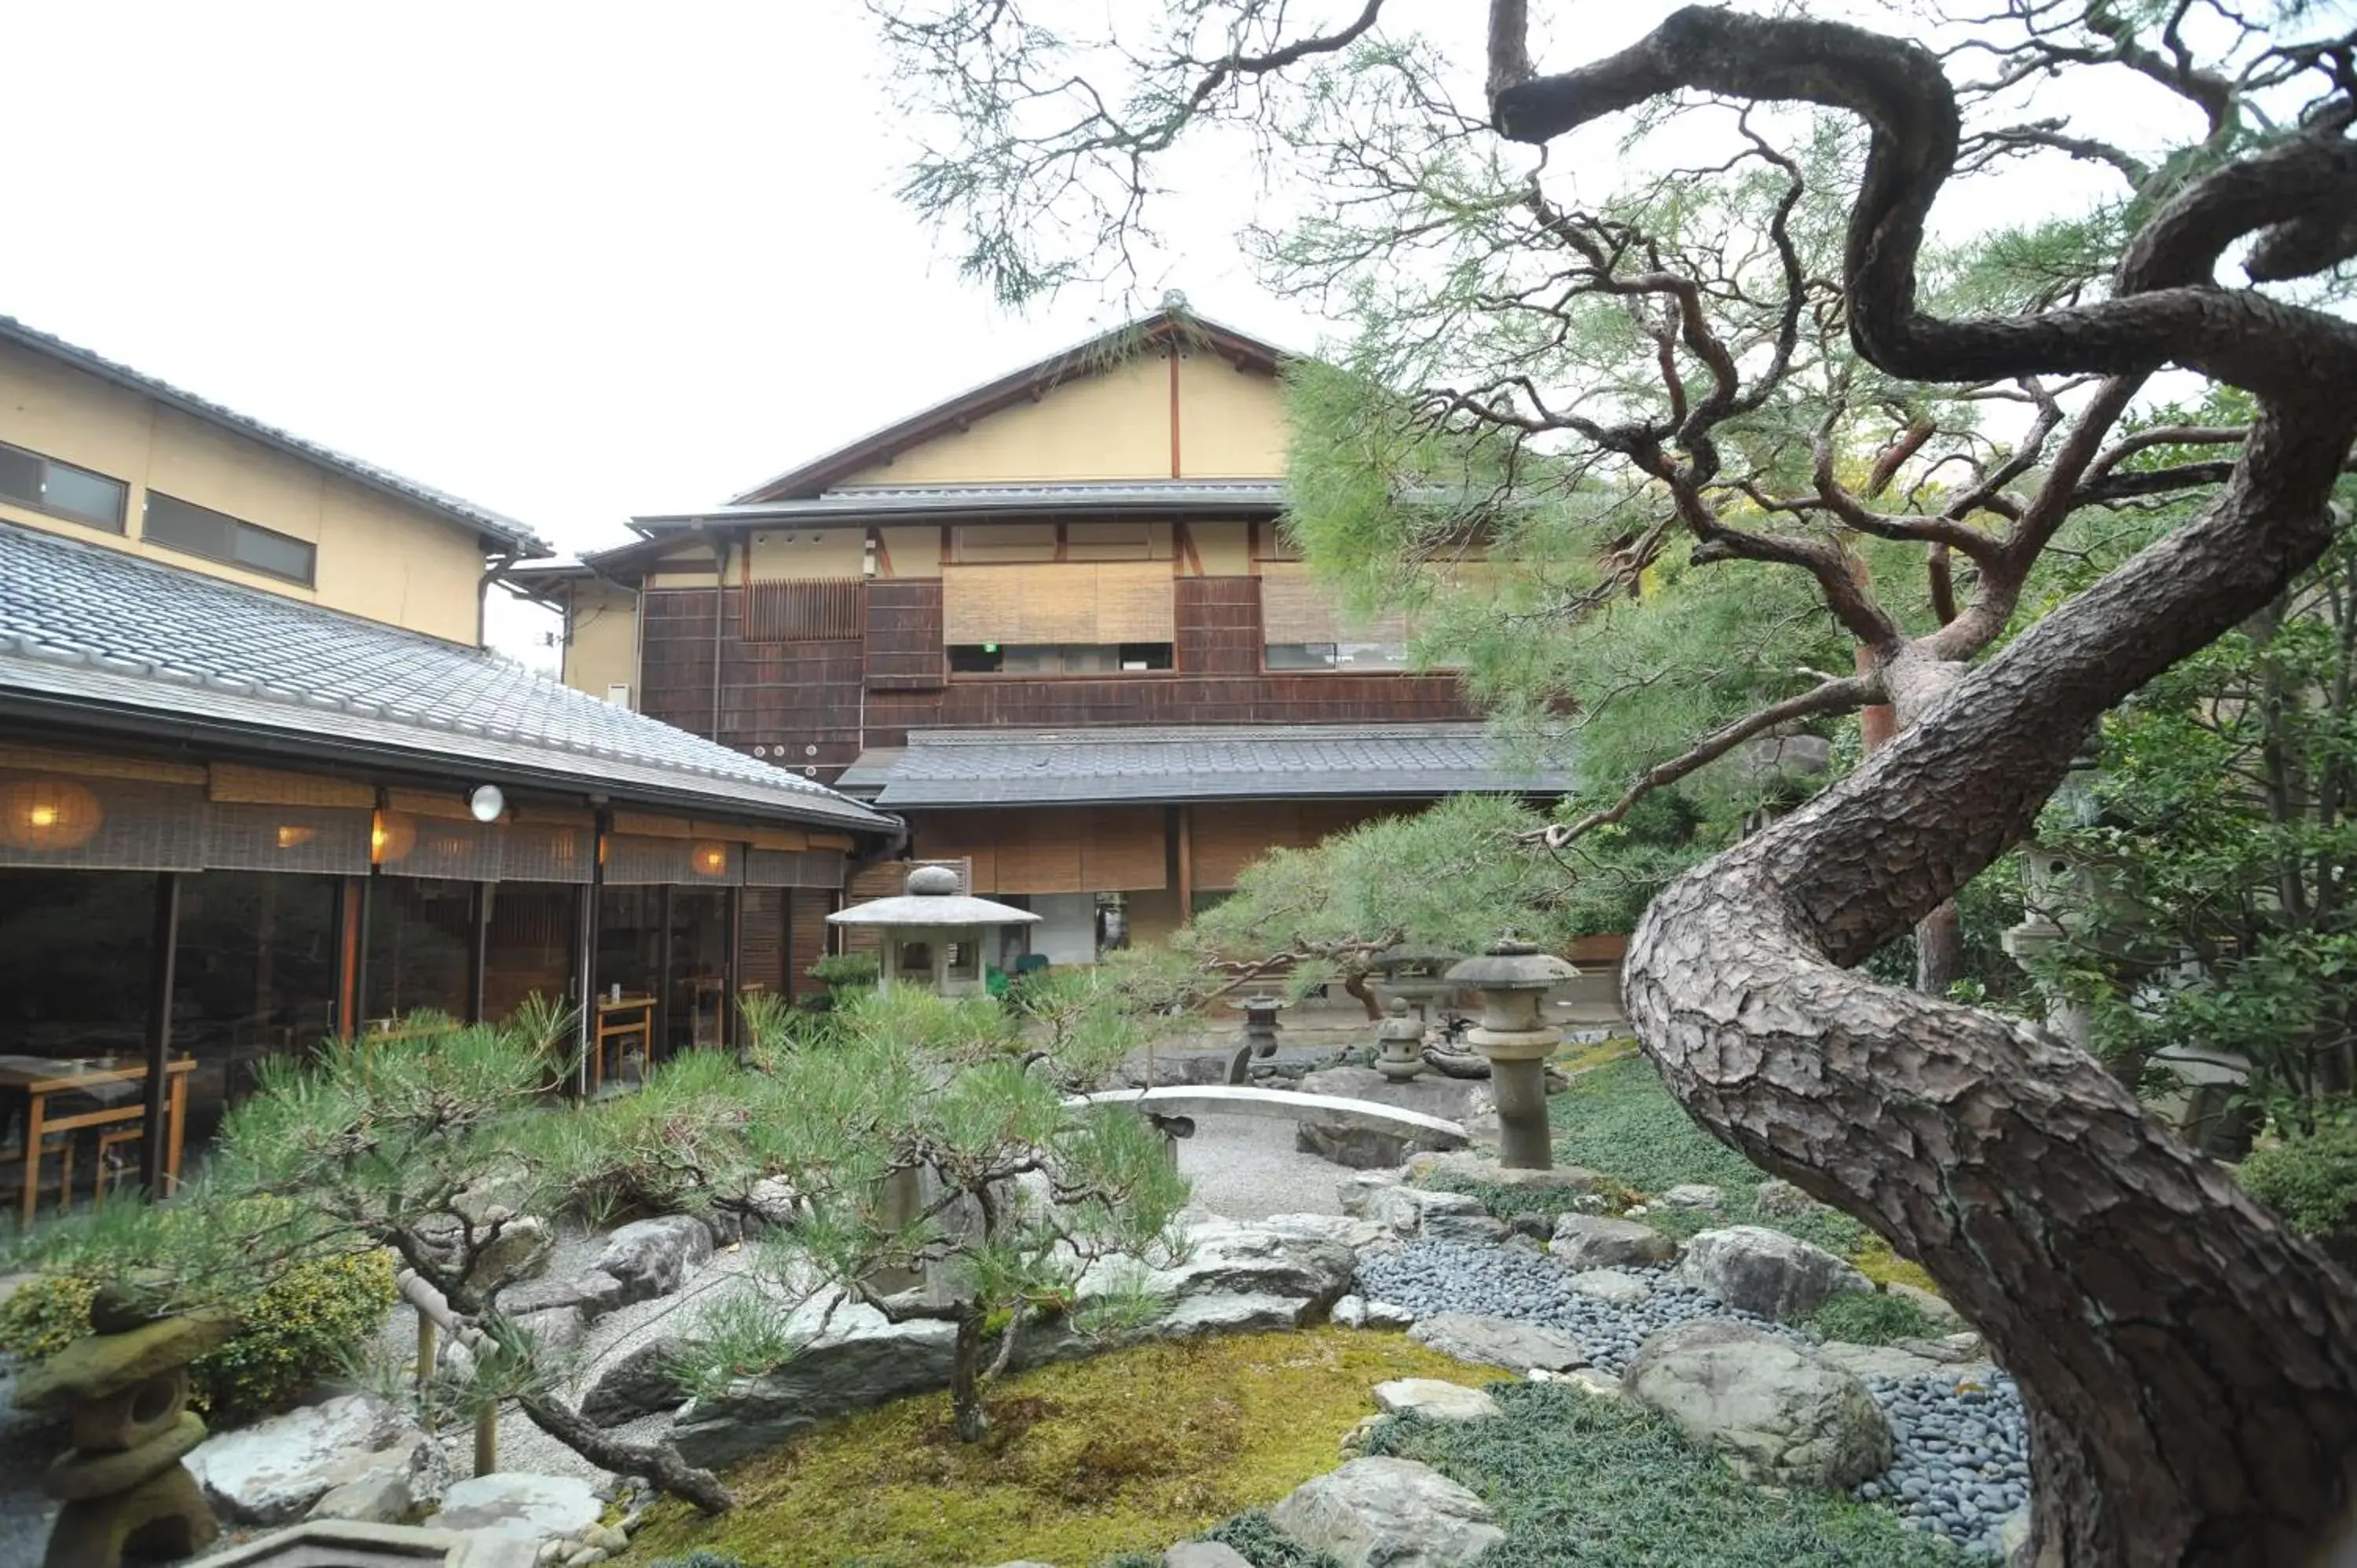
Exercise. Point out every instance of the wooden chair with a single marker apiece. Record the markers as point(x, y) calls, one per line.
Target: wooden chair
point(110, 1140)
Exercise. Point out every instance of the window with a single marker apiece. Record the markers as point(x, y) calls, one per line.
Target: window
point(1058, 658)
point(1299, 656)
point(46, 485)
point(217, 536)
point(812, 609)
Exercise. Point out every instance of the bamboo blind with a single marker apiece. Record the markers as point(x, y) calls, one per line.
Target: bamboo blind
point(424, 803)
point(644, 825)
point(267, 787)
point(1095, 848)
point(1228, 839)
point(95, 765)
point(998, 542)
point(1088, 603)
point(1297, 607)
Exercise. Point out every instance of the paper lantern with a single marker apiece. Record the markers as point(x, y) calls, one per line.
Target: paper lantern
point(710, 859)
point(393, 837)
point(50, 815)
point(295, 836)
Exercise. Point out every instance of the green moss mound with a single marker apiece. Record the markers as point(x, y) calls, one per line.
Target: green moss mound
point(1127, 1452)
point(1863, 1319)
point(1580, 1482)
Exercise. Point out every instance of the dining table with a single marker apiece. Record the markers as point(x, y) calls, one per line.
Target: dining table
point(116, 1089)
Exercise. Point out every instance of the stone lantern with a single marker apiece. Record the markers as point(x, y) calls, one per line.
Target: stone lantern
point(1399, 1043)
point(1260, 1035)
point(933, 932)
point(1416, 975)
point(127, 1497)
point(1513, 979)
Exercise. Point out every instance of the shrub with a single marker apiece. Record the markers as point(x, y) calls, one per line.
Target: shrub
point(292, 1333)
point(2310, 1180)
point(1868, 1317)
point(846, 971)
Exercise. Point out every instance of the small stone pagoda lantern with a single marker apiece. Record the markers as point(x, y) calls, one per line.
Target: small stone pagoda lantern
point(127, 1497)
point(1260, 1034)
point(1513, 979)
point(933, 933)
point(1399, 1043)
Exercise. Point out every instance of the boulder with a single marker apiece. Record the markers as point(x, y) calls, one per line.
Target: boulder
point(557, 1329)
point(1879, 1360)
point(1240, 1258)
point(1358, 1312)
point(1339, 1228)
point(1694, 1195)
point(1228, 1312)
point(864, 1362)
point(1434, 1400)
point(1754, 1269)
point(1405, 1209)
point(1499, 1342)
point(640, 1381)
point(1781, 1199)
point(1387, 1513)
point(1346, 1143)
point(512, 1502)
point(652, 1257)
point(1481, 1166)
point(593, 1293)
point(1594, 1242)
point(1355, 1195)
point(1612, 1287)
point(1204, 1554)
point(1478, 1229)
point(1777, 1413)
point(2013, 1534)
point(273, 1471)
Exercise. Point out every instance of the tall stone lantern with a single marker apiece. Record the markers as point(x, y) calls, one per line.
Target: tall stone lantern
point(1513, 979)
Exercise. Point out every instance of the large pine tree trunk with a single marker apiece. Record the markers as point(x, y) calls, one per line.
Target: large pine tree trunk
point(2189, 1368)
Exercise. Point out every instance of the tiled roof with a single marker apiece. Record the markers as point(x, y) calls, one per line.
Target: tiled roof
point(868, 502)
point(97, 632)
point(1210, 762)
point(506, 530)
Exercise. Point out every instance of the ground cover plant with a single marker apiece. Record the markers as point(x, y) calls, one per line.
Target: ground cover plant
point(1128, 1451)
point(1581, 1482)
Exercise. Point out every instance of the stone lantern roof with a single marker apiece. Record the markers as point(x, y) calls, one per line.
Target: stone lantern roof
point(931, 899)
point(1512, 964)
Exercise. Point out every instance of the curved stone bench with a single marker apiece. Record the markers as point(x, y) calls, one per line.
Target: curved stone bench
point(1282, 1105)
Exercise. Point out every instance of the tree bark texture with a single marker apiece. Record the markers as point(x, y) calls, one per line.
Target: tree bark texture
point(1940, 949)
point(2189, 1368)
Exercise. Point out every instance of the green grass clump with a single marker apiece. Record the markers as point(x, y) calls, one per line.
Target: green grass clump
point(1870, 1317)
point(1123, 1453)
point(1580, 1482)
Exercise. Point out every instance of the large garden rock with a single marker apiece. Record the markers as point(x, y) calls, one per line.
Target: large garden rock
point(1499, 1342)
point(1342, 1229)
point(1403, 1211)
point(863, 1363)
point(1777, 1413)
point(273, 1471)
point(1204, 1554)
point(1611, 1287)
point(593, 1293)
point(537, 1508)
point(1594, 1242)
point(1754, 1269)
point(1434, 1400)
point(640, 1381)
point(652, 1257)
point(1481, 1166)
point(1387, 1513)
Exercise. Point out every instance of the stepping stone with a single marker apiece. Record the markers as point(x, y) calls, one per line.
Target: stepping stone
point(1434, 1400)
point(1499, 1342)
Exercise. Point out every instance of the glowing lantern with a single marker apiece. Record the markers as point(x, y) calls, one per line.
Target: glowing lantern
point(710, 859)
point(48, 814)
point(295, 837)
point(392, 838)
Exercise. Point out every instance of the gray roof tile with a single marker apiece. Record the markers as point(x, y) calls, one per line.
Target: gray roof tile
point(99, 629)
point(1003, 768)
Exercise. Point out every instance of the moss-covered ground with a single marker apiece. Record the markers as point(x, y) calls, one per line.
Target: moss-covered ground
point(1126, 1452)
point(1616, 1120)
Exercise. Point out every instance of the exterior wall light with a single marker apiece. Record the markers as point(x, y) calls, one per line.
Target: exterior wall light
point(390, 838)
point(486, 803)
point(48, 814)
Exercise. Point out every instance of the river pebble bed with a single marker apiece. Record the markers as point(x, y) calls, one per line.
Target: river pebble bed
point(1960, 1448)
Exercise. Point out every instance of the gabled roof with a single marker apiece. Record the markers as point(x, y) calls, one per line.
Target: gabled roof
point(98, 638)
point(1203, 762)
point(1172, 324)
point(506, 532)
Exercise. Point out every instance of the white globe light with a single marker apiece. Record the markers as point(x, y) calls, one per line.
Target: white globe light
point(486, 803)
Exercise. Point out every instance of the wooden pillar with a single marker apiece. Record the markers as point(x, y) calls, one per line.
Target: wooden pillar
point(1185, 864)
point(586, 958)
point(732, 969)
point(352, 940)
point(162, 956)
point(660, 1032)
point(479, 938)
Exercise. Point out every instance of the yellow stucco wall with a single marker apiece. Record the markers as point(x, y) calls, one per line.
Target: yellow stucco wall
point(910, 552)
point(377, 556)
point(1233, 423)
point(1222, 549)
point(1112, 425)
point(806, 552)
point(602, 639)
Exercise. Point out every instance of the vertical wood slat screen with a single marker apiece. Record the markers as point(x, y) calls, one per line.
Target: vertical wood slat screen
point(1297, 607)
point(806, 935)
point(761, 941)
point(1090, 849)
point(1227, 838)
point(811, 609)
point(1088, 603)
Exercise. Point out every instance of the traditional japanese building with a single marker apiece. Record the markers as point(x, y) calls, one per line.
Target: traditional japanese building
point(1054, 623)
point(261, 782)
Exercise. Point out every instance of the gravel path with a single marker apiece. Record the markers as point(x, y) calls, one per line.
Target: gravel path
point(1245, 1167)
point(1962, 1451)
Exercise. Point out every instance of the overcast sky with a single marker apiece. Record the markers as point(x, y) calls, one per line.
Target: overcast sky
point(570, 262)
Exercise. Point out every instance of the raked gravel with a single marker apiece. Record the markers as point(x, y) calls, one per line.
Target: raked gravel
point(1962, 1448)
